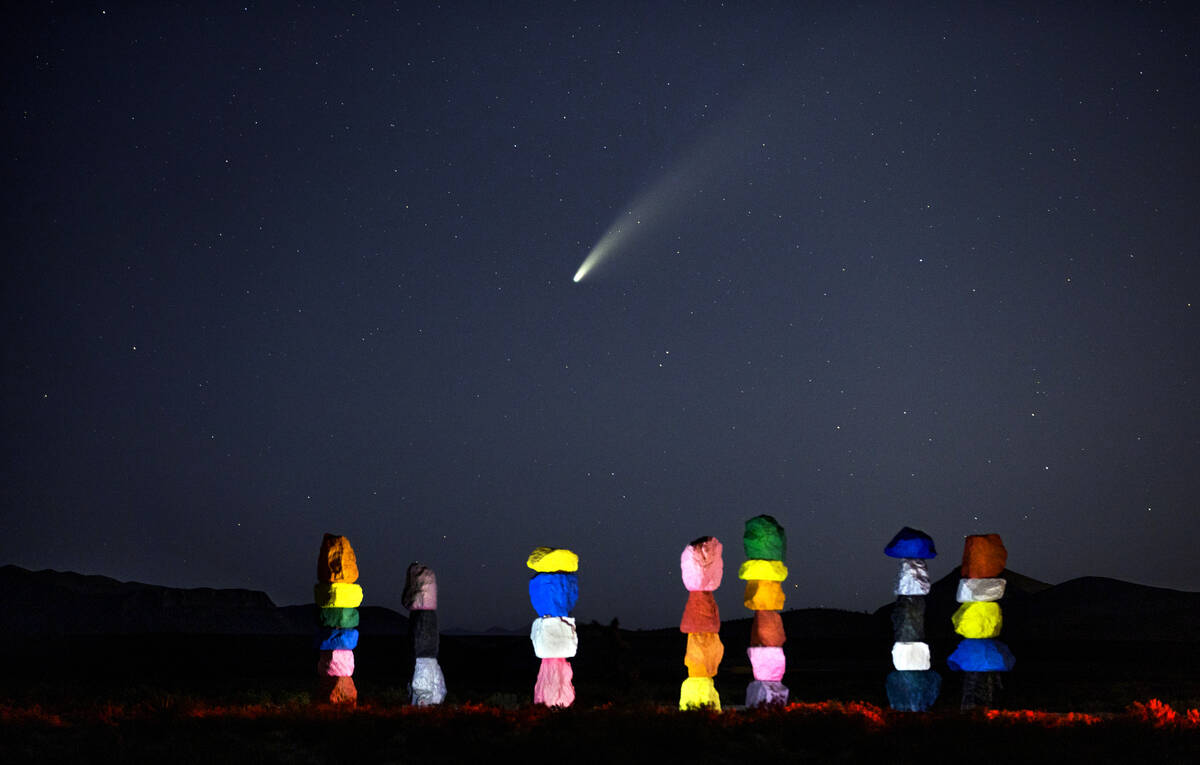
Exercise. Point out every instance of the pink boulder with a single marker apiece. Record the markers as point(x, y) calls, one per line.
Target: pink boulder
point(553, 687)
point(339, 663)
point(420, 589)
point(767, 662)
point(701, 565)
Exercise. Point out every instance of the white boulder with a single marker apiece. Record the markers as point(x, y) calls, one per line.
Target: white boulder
point(913, 578)
point(911, 656)
point(428, 685)
point(554, 637)
point(980, 590)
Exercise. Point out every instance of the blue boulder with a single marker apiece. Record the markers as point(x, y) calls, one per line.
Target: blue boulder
point(337, 639)
point(554, 594)
point(981, 655)
point(913, 690)
point(911, 543)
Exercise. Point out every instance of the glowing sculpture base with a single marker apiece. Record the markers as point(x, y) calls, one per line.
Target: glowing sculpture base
point(913, 691)
point(699, 693)
point(337, 690)
point(428, 684)
point(763, 692)
point(553, 688)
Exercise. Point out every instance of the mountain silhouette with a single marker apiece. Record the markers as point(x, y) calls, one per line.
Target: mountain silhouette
point(1087, 608)
point(65, 603)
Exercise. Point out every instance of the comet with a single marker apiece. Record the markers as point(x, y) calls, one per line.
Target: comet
point(603, 248)
point(650, 207)
point(717, 160)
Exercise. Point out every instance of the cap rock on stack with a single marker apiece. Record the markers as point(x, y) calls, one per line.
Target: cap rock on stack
point(702, 568)
point(553, 591)
point(420, 597)
point(765, 544)
point(979, 655)
point(912, 686)
point(337, 597)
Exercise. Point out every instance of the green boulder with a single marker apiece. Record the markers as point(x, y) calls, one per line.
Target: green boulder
point(764, 538)
point(338, 618)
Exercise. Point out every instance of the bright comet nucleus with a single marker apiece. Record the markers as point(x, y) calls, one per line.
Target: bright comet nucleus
point(602, 250)
point(716, 160)
point(592, 258)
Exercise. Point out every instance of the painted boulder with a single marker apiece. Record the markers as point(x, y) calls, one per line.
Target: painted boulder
point(701, 565)
point(554, 594)
point(910, 543)
point(764, 538)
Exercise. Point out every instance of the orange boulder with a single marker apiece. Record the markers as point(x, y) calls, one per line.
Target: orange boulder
point(984, 556)
point(762, 595)
point(336, 563)
point(704, 654)
point(767, 629)
point(337, 690)
point(700, 614)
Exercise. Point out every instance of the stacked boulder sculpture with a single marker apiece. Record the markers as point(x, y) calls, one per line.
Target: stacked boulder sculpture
point(702, 568)
point(765, 545)
point(553, 591)
point(912, 686)
point(980, 656)
point(428, 685)
point(338, 597)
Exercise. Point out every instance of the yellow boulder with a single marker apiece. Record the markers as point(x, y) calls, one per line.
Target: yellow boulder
point(980, 619)
point(767, 570)
point(337, 595)
point(699, 693)
point(547, 560)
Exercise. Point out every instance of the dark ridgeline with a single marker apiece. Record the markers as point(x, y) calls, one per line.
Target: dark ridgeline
point(65, 603)
point(1088, 641)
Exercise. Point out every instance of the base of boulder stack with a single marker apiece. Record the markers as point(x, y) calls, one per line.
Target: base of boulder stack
point(336, 690)
point(699, 693)
point(553, 687)
point(913, 691)
point(980, 689)
point(766, 692)
point(428, 686)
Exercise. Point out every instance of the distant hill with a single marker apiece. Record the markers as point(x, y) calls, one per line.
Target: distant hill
point(65, 603)
point(1087, 608)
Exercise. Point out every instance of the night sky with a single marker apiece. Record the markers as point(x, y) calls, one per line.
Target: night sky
point(280, 269)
